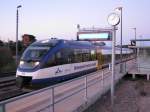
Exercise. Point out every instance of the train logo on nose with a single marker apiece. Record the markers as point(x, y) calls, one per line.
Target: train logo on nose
point(58, 71)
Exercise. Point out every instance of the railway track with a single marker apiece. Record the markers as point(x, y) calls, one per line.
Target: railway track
point(10, 92)
point(7, 81)
point(8, 87)
point(6, 74)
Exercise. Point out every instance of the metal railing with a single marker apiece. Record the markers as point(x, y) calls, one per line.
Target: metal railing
point(102, 79)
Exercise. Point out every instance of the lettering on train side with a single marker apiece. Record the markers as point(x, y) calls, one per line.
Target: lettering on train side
point(84, 66)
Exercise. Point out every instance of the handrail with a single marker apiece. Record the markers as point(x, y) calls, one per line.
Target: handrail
point(47, 88)
point(103, 74)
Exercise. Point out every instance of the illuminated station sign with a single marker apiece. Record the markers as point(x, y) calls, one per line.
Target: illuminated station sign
point(94, 35)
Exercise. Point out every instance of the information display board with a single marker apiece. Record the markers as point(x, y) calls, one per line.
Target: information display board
point(95, 36)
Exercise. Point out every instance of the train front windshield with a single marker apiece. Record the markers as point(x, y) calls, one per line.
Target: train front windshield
point(32, 56)
point(34, 53)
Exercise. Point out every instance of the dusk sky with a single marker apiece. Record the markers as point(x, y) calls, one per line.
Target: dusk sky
point(59, 18)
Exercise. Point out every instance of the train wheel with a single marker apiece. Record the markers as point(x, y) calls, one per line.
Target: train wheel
point(19, 82)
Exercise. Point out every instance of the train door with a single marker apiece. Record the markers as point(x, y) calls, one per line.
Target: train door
point(100, 58)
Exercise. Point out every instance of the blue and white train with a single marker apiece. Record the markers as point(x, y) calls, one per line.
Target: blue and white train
point(53, 60)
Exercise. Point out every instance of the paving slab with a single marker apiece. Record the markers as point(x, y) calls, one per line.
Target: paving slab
point(130, 96)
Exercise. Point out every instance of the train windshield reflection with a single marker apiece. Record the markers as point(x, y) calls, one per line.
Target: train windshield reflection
point(34, 53)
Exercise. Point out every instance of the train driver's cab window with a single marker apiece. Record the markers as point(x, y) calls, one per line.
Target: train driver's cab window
point(59, 59)
point(55, 59)
point(58, 55)
point(51, 61)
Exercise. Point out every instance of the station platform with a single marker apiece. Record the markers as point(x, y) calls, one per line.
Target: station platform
point(139, 69)
point(130, 96)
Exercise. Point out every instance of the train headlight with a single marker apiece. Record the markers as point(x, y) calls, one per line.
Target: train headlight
point(36, 63)
point(21, 62)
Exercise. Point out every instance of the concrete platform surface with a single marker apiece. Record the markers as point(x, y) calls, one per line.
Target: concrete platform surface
point(130, 96)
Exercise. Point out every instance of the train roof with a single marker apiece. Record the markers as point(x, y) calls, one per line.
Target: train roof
point(47, 42)
point(53, 42)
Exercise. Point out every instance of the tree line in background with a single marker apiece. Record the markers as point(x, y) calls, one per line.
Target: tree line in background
point(8, 52)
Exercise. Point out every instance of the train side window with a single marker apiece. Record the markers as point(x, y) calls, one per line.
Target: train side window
point(77, 57)
point(86, 57)
point(67, 55)
point(64, 56)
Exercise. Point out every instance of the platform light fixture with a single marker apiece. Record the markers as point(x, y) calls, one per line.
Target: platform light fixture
point(119, 9)
point(134, 34)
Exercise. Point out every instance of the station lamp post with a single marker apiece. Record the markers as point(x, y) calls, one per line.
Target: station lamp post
point(120, 9)
point(134, 34)
point(78, 27)
point(137, 50)
point(17, 18)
